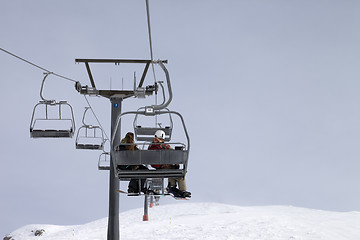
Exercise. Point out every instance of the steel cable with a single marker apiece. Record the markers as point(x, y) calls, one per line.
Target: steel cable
point(50, 72)
point(33, 64)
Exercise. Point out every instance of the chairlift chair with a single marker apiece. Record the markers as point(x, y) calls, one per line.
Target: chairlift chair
point(55, 126)
point(89, 137)
point(178, 155)
point(46, 124)
point(104, 161)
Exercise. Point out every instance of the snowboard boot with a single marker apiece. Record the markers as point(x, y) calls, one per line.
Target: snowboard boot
point(133, 190)
point(133, 186)
point(186, 194)
point(174, 191)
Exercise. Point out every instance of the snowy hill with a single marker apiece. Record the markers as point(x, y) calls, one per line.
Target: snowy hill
point(212, 221)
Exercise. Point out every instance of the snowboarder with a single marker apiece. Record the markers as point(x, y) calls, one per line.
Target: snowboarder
point(158, 143)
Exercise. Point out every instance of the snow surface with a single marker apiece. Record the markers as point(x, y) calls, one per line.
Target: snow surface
point(212, 221)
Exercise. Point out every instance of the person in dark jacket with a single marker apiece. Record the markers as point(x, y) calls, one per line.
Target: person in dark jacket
point(127, 144)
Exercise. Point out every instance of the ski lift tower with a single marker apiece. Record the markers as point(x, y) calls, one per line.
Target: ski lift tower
point(116, 97)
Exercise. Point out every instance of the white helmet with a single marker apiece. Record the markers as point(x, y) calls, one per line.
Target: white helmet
point(160, 134)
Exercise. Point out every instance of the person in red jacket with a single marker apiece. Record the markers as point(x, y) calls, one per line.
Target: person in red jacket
point(158, 143)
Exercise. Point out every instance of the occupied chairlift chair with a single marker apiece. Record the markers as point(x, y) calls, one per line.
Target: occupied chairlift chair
point(50, 125)
point(89, 137)
point(178, 155)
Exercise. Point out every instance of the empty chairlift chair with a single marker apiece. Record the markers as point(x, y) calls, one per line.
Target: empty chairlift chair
point(89, 136)
point(51, 119)
point(52, 125)
point(104, 161)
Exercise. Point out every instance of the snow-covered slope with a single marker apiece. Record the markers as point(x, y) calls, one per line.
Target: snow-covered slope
point(212, 221)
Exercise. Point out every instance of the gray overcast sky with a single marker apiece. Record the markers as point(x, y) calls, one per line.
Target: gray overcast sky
point(270, 91)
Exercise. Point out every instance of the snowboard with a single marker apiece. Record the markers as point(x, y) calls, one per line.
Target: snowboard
point(129, 194)
point(176, 196)
point(138, 194)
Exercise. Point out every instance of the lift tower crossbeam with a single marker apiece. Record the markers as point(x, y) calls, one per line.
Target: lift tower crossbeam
point(110, 93)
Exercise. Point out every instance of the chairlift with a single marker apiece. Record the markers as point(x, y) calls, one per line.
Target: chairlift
point(48, 120)
point(177, 155)
point(89, 137)
point(104, 161)
point(147, 133)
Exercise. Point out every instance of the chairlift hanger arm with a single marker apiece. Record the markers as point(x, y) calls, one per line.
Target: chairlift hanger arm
point(164, 105)
point(42, 89)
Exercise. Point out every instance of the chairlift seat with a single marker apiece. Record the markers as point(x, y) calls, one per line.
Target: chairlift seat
point(148, 133)
point(90, 146)
point(151, 157)
point(159, 173)
point(51, 133)
point(103, 167)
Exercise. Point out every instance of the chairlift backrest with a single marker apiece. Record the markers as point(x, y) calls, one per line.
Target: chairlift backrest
point(147, 133)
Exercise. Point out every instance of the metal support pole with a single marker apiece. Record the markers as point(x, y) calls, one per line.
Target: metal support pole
point(113, 221)
point(151, 201)
point(146, 208)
